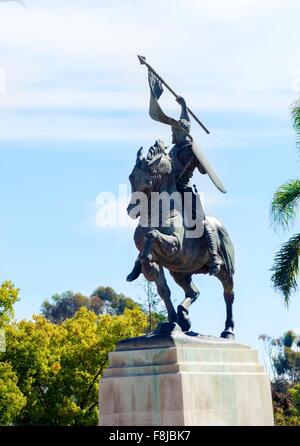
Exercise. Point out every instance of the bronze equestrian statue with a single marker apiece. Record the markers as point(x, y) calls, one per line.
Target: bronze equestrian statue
point(197, 244)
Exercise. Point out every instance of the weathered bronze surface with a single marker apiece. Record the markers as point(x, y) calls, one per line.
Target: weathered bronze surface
point(169, 242)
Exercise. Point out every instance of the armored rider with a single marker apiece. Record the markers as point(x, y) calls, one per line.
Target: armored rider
point(184, 163)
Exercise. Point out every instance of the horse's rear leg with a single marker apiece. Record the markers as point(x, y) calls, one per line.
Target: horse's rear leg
point(227, 282)
point(191, 294)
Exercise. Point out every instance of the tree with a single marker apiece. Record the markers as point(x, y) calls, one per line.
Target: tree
point(284, 209)
point(9, 295)
point(114, 303)
point(57, 367)
point(284, 358)
point(65, 305)
point(152, 305)
point(295, 394)
point(12, 399)
point(104, 300)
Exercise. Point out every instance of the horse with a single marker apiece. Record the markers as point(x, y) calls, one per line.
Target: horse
point(166, 244)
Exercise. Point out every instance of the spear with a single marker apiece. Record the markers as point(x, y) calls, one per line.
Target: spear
point(142, 60)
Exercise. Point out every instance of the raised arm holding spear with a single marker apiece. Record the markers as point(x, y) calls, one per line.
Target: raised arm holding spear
point(156, 113)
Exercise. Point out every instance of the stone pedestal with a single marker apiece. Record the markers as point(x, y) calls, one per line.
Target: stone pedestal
point(184, 381)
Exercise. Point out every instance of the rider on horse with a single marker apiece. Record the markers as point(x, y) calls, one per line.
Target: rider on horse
point(184, 162)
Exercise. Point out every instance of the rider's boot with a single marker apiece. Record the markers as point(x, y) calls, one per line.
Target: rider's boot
point(215, 261)
point(136, 271)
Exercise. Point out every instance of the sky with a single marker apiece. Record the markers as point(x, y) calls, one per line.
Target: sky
point(74, 112)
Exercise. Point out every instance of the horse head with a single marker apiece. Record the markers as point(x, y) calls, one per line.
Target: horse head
point(149, 172)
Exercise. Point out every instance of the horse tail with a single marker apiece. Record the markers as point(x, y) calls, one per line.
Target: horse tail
point(226, 249)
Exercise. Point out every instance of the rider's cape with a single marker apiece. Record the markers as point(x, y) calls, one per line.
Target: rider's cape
point(157, 114)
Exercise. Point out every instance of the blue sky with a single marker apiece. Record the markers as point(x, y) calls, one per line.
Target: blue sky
point(74, 111)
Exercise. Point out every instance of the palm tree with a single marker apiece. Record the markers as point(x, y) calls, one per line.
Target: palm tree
point(284, 209)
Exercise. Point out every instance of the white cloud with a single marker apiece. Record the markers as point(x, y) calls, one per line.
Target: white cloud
point(231, 10)
point(54, 126)
point(222, 55)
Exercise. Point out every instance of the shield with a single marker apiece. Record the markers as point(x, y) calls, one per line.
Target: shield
point(207, 167)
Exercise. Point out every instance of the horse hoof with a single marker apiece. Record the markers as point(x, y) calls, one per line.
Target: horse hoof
point(228, 334)
point(185, 325)
point(169, 328)
point(183, 319)
point(133, 275)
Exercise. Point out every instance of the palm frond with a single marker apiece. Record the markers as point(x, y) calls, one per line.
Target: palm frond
point(286, 267)
point(285, 204)
point(295, 112)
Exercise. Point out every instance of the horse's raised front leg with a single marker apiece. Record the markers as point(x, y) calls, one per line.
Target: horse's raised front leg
point(168, 245)
point(184, 280)
point(227, 282)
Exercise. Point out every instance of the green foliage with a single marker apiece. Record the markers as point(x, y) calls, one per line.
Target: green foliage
point(114, 303)
point(285, 203)
point(8, 297)
point(295, 394)
point(280, 419)
point(104, 300)
point(284, 356)
point(295, 112)
point(289, 339)
point(287, 365)
point(286, 268)
point(11, 398)
point(284, 209)
point(58, 366)
point(286, 405)
point(65, 305)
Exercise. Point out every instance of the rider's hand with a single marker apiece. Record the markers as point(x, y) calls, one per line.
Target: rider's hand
point(181, 101)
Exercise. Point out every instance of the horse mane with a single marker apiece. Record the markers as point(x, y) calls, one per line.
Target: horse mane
point(156, 150)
